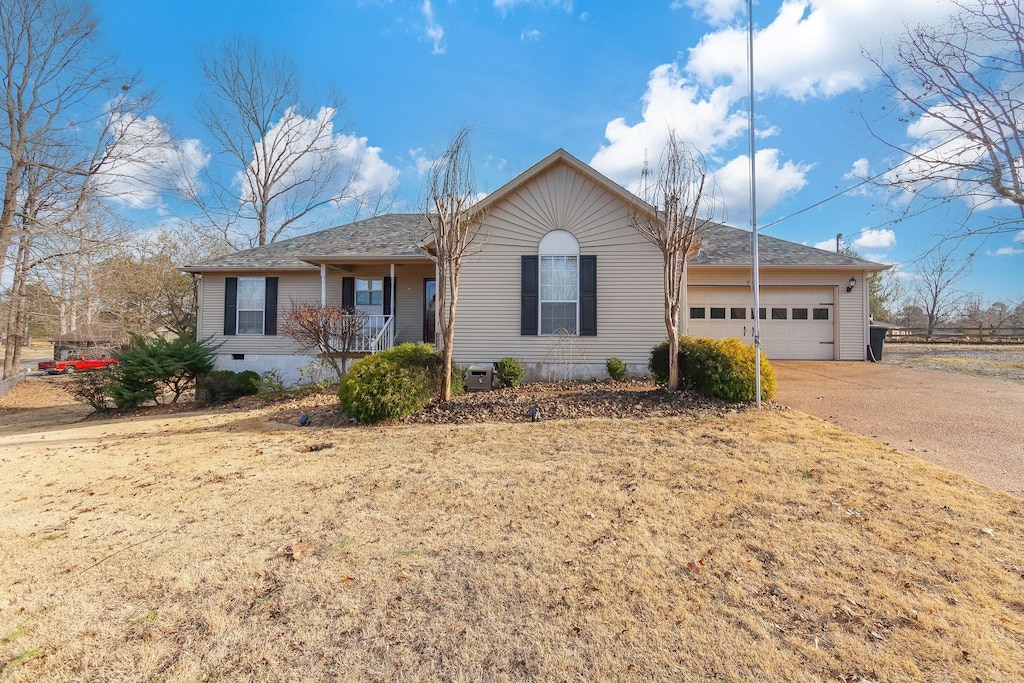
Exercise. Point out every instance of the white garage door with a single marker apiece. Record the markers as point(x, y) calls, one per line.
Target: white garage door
point(797, 323)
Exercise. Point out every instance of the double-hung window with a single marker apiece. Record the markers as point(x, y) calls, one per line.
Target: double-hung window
point(559, 294)
point(251, 304)
point(369, 292)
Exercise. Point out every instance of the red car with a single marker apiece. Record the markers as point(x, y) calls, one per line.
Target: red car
point(76, 364)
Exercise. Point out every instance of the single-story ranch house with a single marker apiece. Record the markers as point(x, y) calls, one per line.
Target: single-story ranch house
point(559, 280)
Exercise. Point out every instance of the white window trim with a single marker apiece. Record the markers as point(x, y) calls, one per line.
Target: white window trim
point(558, 244)
point(370, 281)
point(263, 311)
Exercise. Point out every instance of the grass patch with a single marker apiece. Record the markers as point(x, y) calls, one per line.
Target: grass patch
point(665, 549)
point(19, 660)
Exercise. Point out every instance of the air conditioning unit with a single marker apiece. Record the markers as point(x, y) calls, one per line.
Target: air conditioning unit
point(479, 378)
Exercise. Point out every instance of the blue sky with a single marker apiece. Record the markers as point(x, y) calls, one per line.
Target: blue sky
point(604, 80)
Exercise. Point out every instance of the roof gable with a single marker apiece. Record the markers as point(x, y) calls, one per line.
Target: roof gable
point(559, 156)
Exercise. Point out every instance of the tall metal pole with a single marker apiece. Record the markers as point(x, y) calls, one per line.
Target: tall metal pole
point(753, 206)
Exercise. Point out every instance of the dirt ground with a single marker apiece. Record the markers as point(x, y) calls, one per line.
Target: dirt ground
point(994, 361)
point(720, 546)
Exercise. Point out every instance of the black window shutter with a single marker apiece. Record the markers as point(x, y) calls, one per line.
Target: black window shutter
point(529, 296)
point(230, 305)
point(348, 293)
point(388, 284)
point(588, 296)
point(270, 307)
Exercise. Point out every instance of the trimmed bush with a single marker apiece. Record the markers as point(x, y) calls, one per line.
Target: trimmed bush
point(154, 364)
point(509, 371)
point(617, 369)
point(393, 383)
point(224, 385)
point(721, 368)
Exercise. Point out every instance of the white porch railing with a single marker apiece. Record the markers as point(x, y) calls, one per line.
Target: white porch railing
point(376, 334)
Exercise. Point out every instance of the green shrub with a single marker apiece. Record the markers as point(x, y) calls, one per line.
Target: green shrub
point(658, 363)
point(152, 365)
point(616, 368)
point(722, 368)
point(393, 383)
point(509, 372)
point(224, 385)
point(271, 385)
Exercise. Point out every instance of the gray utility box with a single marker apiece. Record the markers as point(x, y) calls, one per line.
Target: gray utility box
point(479, 378)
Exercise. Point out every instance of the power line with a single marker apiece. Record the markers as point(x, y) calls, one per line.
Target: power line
point(863, 182)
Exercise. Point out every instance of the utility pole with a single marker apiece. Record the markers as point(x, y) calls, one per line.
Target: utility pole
point(839, 238)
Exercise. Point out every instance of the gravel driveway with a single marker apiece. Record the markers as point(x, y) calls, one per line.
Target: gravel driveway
point(972, 425)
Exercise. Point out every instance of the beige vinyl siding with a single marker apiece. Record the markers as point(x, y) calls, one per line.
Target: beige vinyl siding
point(853, 320)
point(304, 288)
point(629, 282)
point(851, 308)
point(409, 299)
point(211, 322)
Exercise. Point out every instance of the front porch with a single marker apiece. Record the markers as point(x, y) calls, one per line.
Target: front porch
point(391, 301)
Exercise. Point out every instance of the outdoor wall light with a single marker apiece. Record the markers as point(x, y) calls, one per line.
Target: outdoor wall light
point(853, 283)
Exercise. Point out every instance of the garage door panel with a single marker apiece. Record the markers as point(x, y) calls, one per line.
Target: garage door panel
point(810, 336)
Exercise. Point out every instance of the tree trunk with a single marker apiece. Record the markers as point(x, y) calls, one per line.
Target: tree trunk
point(16, 312)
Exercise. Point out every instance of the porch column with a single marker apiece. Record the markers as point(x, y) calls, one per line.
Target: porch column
point(393, 295)
point(323, 284)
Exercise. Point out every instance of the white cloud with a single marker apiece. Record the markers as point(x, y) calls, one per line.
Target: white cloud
point(584, 16)
point(341, 164)
point(434, 31)
point(1019, 237)
point(858, 171)
point(532, 35)
point(505, 5)
point(775, 181)
point(421, 161)
point(878, 258)
point(146, 162)
point(718, 12)
point(1008, 250)
point(827, 245)
point(882, 238)
point(813, 48)
point(671, 100)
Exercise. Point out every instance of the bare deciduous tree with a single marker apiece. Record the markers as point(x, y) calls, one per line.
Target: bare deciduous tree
point(279, 161)
point(987, 320)
point(960, 91)
point(677, 209)
point(332, 332)
point(933, 289)
point(65, 114)
point(451, 193)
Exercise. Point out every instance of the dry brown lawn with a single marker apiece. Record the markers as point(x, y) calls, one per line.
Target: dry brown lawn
point(753, 546)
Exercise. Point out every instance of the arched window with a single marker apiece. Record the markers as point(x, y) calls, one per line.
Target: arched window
point(559, 283)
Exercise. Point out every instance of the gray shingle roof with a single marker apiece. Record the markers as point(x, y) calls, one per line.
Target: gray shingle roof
point(398, 234)
point(391, 235)
point(728, 246)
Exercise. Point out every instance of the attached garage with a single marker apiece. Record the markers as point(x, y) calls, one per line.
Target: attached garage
point(814, 303)
point(796, 322)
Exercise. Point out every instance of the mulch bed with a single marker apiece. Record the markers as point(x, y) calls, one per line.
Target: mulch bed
point(565, 400)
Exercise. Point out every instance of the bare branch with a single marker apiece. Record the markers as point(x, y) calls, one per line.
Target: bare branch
point(674, 213)
point(451, 192)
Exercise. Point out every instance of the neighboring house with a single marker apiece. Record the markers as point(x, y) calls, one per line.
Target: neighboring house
point(559, 280)
point(101, 338)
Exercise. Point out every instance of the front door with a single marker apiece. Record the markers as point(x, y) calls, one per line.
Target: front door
point(429, 309)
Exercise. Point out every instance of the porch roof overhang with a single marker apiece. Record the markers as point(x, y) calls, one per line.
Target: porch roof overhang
point(348, 259)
